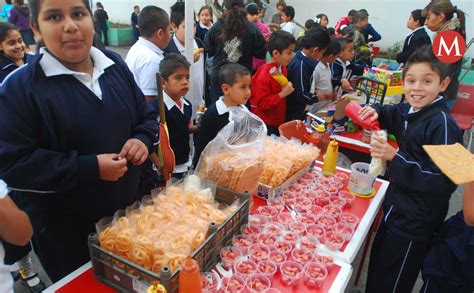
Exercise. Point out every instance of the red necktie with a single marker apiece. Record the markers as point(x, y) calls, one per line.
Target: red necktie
point(180, 104)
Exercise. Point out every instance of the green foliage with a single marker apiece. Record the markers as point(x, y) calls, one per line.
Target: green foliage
point(392, 52)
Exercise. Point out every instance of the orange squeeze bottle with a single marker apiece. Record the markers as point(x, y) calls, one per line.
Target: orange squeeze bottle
point(280, 78)
point(189, 277)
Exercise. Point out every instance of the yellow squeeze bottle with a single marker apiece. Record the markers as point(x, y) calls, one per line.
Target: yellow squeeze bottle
point(330, 159)
point(278, 77)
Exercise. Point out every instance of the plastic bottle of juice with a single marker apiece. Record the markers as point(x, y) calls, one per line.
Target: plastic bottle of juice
point(189, 277)
point(330, 159)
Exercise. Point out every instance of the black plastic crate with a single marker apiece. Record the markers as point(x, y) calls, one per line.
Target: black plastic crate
point(126, 276)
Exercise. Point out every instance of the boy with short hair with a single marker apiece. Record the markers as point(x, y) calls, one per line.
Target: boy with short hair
point(345, 21)
point(174, 69)
point(417, 199)
point(300, 73)
point(235, 82)
point(343, 68)
point(416, 39)
point(144, 57)
point(363, 51)
point(268, 99)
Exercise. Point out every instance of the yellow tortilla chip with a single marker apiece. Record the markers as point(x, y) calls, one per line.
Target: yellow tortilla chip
point(454, 160)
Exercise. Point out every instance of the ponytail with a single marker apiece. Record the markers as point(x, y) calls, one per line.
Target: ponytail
point(462, 20)
point(234, 20)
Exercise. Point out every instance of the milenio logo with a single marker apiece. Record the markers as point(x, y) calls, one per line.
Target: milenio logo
point(449, 46)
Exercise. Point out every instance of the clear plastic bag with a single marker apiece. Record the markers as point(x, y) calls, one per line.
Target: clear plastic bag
point(234, 159)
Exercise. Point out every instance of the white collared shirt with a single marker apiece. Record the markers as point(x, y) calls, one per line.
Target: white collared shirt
point(143, 60)
point(52, 67)
point(196, 90)
point(202, 25)
point(289, 27)
point(411, 111)
point(222, 108)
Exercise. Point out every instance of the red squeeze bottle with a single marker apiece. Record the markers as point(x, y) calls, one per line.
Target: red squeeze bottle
point(352, 110)
point(189, 277)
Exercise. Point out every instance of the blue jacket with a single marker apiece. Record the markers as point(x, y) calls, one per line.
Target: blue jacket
point(337, 71)
point(300, 73)
point(374, 35)
point(417, 198)
point(54, 127)
point(451, 257)
point(7, 66)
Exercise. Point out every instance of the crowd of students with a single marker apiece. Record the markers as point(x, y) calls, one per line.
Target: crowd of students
point(79, 123)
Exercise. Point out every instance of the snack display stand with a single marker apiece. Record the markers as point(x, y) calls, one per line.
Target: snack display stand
point(82, 280)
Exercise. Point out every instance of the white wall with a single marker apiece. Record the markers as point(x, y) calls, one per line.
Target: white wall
point(121, 10)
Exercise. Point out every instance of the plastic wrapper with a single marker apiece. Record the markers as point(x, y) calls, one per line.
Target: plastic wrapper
point(162, 230)
point(378, 165)
point(234, 159)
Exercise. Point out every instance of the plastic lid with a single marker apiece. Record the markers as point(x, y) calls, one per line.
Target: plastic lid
point(321, 128)
point(189, 265)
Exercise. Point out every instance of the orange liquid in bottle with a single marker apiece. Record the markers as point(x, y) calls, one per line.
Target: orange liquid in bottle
point(189, 277)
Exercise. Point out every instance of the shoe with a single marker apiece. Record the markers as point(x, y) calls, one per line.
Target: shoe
point(39, 287)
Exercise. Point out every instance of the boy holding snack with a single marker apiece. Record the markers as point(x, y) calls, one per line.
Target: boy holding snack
point(417, 199)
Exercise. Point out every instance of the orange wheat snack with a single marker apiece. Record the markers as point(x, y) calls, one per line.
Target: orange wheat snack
point(454, 160)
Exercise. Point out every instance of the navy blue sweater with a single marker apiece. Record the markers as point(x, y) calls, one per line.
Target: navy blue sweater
point(417, 198)
point(7, 66)
point(54, 127)
point(300, 73)
point(337, 71)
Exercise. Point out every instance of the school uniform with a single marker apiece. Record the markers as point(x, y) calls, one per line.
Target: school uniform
point(343, 70)
point(201, 30)
point(265, 101)
point(417, 199)
point(7, 66)
point(300, 73)
point(199, 87)
point(413, 41)
point(178, 119)
point(250, 43)
point(289, 27)
point(143, 60)
point(55, 122)
point(370, 31)
point(213, 120)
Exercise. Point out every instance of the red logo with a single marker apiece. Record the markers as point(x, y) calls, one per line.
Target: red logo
point(449, 46)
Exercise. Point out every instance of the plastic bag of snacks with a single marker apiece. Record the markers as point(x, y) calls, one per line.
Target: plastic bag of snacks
point(164, 229)
point(234, 159)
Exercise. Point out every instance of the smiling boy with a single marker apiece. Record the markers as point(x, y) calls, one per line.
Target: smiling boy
point(417, 200)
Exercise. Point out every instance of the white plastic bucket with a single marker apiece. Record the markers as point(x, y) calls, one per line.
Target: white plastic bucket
point(361, 182)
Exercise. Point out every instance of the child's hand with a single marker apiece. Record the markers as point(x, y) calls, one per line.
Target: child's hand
point(135, 151)
point(379, 148)
point(287, 90)
point(197, 54)
point(368, 111)
point(346, 86)
point(111, 166)
point(325, 96)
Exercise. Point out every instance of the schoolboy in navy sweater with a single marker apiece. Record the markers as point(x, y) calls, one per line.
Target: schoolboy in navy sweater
point(235, 82)
point(343, 68)
point(300, 73)
point(417, 199)
point(174, 69)
point(416, 39)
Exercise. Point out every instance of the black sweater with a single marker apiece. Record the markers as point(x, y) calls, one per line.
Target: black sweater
point(412, 42)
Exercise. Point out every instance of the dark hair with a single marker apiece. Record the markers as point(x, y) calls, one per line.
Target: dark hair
point(347, 31)
point(177, 13)
point(136, 6)
point(344, 42)
point(425, 54)
point(315, 38)
point(309, 24)
point(289, 11)
point(8, 1)
point(319, 17)
point(446, 7)
point(19, 2)
point(234, 20)
point(5, 29)
point(331, 31)
point(205, 7)
point(280, 40)
point(352, 13)
point(97, 4)
point(252, 8)
point(361, 15)
point(281, 3)
point(171, 62)
point(333, 48)
point(35, 6)
point(229, 73)
point(151, 19)
point(416, 15)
